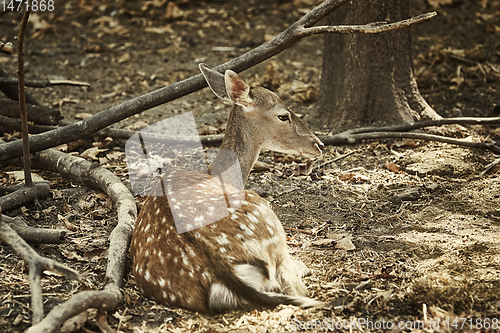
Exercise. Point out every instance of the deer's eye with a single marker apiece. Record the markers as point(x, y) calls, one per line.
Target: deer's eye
point(284, 118)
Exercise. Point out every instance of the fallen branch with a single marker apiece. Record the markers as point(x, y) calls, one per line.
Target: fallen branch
point(43, 83)
point(427, 123)
point(24, 194)
point(37, 265)
point(343, 138)
point(12, 92)
point(37, 114)
point(139, 104)
point(16, 124)
point(34, 235)
point(98, 177)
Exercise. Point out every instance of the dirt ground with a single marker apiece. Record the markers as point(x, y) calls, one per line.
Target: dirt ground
point(423, 220)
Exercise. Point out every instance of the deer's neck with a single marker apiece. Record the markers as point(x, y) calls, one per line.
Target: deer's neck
point(239, 138)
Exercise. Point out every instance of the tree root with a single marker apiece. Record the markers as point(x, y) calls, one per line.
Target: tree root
point(37, 265)
point(24, 194)
point(98, 177)
point(34, 235)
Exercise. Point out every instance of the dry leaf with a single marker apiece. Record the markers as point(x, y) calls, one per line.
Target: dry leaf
point(261, 166)
point(83, 115)
point(167, 29)
point(95, 254)
point(392, 167)
point(115, 155)
point(137, 125)
point(321, 242)
point(437, 3)
point(67, 224)
point(92, 153)
point(345, 244)
point(207, 130)
point(124, 58)
point(335, 237)
point(173, 11)
point(38, 23)
point(346, 177)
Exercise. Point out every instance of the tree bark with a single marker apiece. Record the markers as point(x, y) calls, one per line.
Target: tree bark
point(368, 79)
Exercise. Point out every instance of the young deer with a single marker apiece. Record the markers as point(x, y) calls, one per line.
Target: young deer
point(242, 259)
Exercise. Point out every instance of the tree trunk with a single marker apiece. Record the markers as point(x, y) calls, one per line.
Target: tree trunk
point(367, 79)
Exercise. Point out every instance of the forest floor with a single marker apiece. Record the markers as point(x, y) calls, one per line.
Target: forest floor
point(423, 219)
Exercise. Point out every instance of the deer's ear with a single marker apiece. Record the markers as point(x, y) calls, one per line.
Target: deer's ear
point(237, 89)
point(215, 81)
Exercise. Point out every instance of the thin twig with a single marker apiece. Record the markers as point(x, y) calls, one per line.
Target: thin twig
point(370, 28)
point(353, 138)
point(427, 123)
point(22, 102)
point(489, 167)
point(334, 160)
point(43, 83)
point(298, 230)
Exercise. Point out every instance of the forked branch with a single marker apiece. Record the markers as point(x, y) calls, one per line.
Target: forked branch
point(37, 265)
point(98, 177)
point(265, 51)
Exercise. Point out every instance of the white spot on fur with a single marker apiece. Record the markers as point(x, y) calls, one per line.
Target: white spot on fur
point(147, 276)
point(222, 239)
point(161, 281)
point(252, 218)
point(245, 229)
point(271, 230)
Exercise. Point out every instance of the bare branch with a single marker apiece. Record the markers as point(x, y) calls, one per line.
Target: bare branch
point(24, 194)
point(427, 123)
point(370, 28)
point(22, 102)
point(43, 83)
point(38, 114)
point(37, 265)
point(347, 138)
point(139, 104)
point(34, 235)
point(107, 299)
point(16, 125)
point(12, 92)
point(101, 178)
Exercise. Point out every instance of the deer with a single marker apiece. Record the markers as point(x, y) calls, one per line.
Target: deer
point(242, 260)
